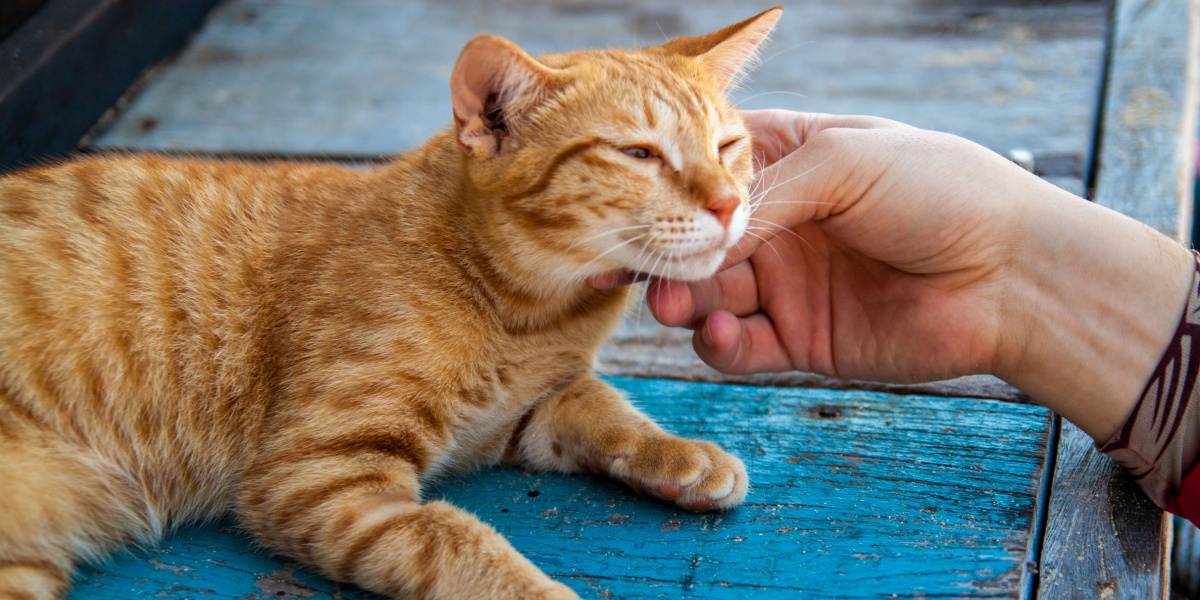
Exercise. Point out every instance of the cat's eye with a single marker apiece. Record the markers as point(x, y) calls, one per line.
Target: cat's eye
point(727, 144)
point(639, 152)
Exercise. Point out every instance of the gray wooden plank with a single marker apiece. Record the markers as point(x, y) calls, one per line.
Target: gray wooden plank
point(368, 77)
point(1103, 537)
point(1146, 150)
point(1185, 560)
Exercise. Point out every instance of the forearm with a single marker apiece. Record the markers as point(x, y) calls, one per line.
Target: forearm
point(1094, 299)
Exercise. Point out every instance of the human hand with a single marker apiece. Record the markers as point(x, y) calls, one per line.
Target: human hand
point(886, 252)
point(884, 246)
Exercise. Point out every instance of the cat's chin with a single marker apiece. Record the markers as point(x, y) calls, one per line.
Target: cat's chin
point(694, 268)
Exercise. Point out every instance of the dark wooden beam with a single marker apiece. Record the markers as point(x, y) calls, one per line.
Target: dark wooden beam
point(13, 12)
point(70, 60)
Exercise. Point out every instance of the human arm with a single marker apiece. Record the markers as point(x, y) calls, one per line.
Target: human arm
point(916, 255)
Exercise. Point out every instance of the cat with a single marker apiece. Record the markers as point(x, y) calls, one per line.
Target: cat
point(302, 345)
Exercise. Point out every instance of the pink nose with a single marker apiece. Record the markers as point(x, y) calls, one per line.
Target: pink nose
point(722, 205)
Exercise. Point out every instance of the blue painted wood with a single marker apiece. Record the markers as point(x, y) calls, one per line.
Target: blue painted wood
point(854, 494)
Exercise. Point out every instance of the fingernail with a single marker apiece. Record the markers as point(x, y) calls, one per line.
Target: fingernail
point(706, 335)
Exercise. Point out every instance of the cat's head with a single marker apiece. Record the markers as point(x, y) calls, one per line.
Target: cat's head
point(607, 159)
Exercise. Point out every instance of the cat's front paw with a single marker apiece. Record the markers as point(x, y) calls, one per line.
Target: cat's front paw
point(695, 474)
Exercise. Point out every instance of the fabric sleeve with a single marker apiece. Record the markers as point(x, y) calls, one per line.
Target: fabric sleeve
point(1160, 441)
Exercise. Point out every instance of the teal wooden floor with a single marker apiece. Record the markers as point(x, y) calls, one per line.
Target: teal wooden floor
point(853, 495)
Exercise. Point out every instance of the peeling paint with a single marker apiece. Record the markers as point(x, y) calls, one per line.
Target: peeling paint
point(282, 584)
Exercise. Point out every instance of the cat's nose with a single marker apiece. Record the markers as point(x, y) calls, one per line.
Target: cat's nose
point(721, 204)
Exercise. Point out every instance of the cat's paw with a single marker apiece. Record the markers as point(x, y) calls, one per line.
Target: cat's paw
point(695, 474)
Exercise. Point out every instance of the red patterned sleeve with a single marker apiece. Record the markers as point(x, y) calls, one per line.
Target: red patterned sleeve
point(1160, 441)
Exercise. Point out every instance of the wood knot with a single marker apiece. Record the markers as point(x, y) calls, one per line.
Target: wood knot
point(826, 411)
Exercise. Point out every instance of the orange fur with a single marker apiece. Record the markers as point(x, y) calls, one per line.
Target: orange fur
point(302, 345)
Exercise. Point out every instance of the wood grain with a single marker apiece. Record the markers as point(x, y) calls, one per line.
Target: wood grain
point(1146, 146)
point(1185, 560)
point(1103, 537)
point(854, 494)
point(368, 77)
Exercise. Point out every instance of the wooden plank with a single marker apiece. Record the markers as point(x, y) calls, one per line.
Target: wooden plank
point(369, 77)
point(853, 495)
point(1146, 147)
point(1185, 560)
point(72, 59)
point(1103, 537)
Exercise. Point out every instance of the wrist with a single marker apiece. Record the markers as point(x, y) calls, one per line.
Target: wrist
point(1091, 300)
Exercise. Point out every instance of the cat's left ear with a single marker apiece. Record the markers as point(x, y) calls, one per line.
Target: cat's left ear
point(729, 51)
point(494, 83)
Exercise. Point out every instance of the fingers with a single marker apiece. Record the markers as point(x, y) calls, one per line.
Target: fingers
point(777, 133)
point(747, 345)
point(680, 304)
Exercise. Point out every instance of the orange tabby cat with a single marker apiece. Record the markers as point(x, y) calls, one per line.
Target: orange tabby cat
point(302, 345)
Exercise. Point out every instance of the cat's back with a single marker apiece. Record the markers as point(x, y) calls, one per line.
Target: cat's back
point(131, 288)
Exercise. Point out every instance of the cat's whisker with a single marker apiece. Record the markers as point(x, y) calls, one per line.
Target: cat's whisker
point(762, 192)
point(583, 269)
point(814, 202)
point(775, 55)
point(604, 233)
point(660, 30)
point(638, 317)
point(760, 94)
point(765, 242)
point(775, 228)
point(795, 177)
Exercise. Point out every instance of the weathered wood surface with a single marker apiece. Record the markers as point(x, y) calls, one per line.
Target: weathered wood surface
point(1103, 537)
point(369, 77)
point(1185, 561)
point(854, 495)
point(66, 64)
point(1146, 148)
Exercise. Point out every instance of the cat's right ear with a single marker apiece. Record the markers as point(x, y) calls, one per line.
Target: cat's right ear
point(493, 84)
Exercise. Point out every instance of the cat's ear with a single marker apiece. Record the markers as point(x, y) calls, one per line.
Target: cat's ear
point(494, 82)
point(729, 51)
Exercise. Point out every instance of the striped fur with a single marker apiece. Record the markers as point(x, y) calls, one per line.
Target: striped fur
point(302, 345)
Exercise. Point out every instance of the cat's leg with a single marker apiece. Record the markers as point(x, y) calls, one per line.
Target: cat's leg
point(591, 426)
point(356, 516)
point(56, 506)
